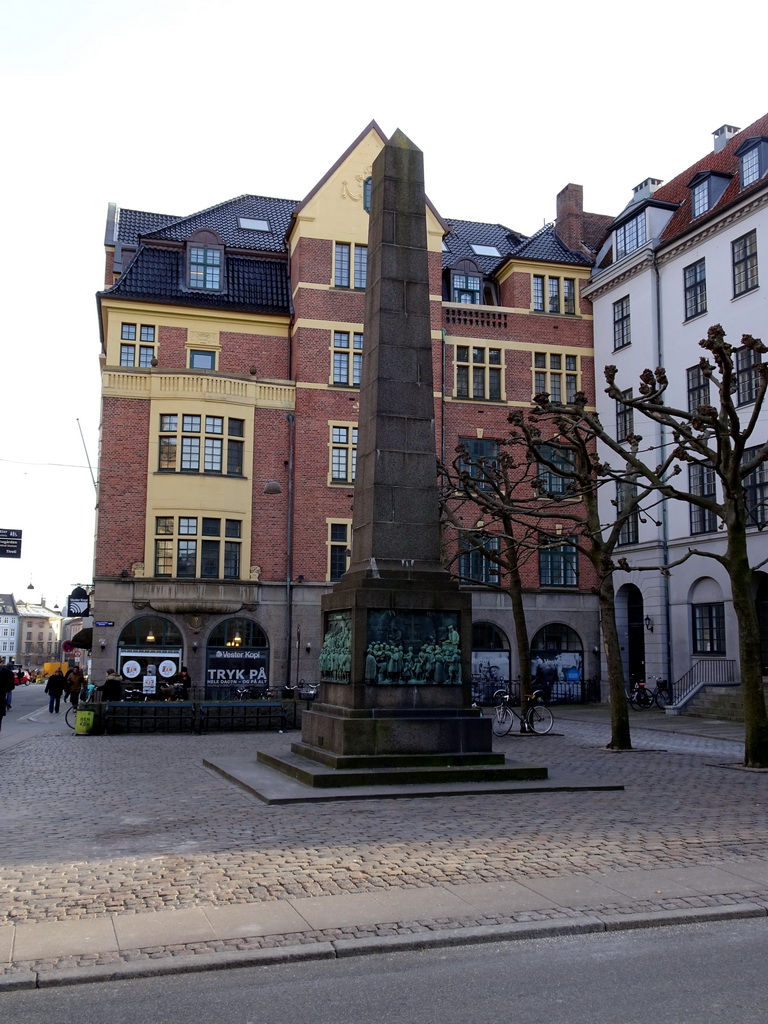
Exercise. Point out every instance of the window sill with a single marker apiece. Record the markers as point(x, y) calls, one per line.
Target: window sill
point(694, 316)
point(747, 291)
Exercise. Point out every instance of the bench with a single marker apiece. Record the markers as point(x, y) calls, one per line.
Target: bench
point(240, 715)
point(149, 716)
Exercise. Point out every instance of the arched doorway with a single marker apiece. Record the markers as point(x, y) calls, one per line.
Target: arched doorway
point(635, 636)
point(557, 663)
point(490, 660)
point(236, 657)
point(149, 652)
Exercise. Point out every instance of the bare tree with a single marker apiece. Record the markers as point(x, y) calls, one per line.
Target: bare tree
point(717, 438)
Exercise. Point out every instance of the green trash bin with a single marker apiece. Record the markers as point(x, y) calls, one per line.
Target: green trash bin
point(84, 723)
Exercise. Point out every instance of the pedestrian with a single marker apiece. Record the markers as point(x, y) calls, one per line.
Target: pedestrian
point(184, 680)
point(10, 683)
point(112, 687)
point(6, 688)
point(54, 688)
point(75, 685)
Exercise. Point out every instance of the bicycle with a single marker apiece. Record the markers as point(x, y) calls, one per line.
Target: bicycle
point(639, 697)
point(86, 697)
point(662, 693)
point(538, 718)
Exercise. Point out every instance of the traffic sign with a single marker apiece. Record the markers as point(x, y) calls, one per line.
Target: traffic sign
point(10, 543)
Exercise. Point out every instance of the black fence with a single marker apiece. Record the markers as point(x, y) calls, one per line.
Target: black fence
point(576, 691)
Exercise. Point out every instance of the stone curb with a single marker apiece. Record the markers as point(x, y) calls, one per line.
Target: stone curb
point(344, 948)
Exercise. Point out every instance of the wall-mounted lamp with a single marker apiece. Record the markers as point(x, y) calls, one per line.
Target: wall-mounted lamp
point(102, 644)
point(308, 648)
point(150, 637)
point(648, 623)
point(194, 646)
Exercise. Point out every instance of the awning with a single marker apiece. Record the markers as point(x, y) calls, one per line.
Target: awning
point(83, 639)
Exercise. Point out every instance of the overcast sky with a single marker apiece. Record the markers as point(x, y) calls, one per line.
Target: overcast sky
point(174, 105)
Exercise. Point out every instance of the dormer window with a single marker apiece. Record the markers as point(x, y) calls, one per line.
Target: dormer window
point(205, 268)
point(630, 235)
point(706, 188)
point(466, 289)
point(753, 160)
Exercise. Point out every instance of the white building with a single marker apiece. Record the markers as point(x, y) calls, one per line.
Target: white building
point(681, 257)
point(9, 628)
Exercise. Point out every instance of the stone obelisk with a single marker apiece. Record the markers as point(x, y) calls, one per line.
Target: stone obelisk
point(394, 668)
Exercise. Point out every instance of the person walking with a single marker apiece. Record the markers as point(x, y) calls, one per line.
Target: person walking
point(7, 683)
point(75, 685)
point(54, 688)
point(112, 687)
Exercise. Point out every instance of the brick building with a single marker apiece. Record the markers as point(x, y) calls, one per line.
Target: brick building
point(232, 342)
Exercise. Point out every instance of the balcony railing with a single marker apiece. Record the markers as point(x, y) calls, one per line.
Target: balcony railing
point(462, 315)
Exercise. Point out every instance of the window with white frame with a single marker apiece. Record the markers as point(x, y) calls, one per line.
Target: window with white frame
point(343, 453)
point(630, 235)
point(191, 443)
point(701, 482)
point(698, 388)
point(204, 547)
point(625, 416)
point(475, 565)
point(350, 265)
point(465, 288)
point(747, 366)
point(558, 562)
point(756, 491)
point(205, 266)
point(695, 285)
point(626, 495)
point(744, 254)
point(622, 335)
point(553, 294)
point(556, 374)
point(347, 358)
point(478, 372)
point(339, 538)
point(708, 628)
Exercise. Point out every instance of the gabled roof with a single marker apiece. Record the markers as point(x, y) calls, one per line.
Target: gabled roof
point(224, 219)
point(156, 274)
point(725, 162)
point(466, 233)
point(131, 224)
point(545, 245)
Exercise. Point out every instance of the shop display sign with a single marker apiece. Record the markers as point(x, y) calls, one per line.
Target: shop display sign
point(131, 669)
point(238, 666)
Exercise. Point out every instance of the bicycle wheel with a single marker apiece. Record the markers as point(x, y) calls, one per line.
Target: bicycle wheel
point(663, 698)
point(643, 697)
point(502, 720)
point(71, 717)
point(540, 719)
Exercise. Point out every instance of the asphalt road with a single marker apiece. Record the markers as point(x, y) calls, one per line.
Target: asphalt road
point(699, 974)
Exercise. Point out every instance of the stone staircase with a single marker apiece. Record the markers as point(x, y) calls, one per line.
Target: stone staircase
point(721, 702)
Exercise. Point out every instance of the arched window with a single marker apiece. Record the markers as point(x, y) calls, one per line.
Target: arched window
point(238, 632)
point(490, 660)
point(557, 661)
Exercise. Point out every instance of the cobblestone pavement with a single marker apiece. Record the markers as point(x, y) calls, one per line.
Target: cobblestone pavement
point(130, 824)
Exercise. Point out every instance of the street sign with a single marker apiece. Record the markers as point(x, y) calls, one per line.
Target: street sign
point(10, 543)
point(101, 622)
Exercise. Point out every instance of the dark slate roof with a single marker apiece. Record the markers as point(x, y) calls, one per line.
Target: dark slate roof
point(465, 233)
point(133, 223)
point(223, 219)
point(546, 245)
point(724, 162)
point(156, 274)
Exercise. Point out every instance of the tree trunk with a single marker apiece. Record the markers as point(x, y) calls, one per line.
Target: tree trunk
point(620, 737)
point(755, 718)
point(515, 591)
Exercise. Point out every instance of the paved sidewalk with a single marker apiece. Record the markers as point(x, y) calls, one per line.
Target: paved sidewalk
point(122, 855)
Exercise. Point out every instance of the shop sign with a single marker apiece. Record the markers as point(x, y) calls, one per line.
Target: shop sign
point(238, 666)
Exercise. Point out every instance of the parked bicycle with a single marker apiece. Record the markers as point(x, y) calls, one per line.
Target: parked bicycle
point(537, 718)
point(662, 693)
point(639, 697)
point(86, 697)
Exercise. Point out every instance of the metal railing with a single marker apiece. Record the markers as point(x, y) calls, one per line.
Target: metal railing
point(715, 671)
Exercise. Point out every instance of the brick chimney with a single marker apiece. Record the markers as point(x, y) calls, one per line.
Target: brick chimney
point(570, 212)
